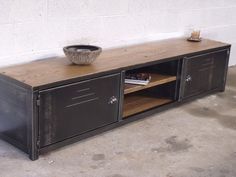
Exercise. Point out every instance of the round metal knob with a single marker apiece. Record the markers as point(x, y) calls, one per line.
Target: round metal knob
point(112, 100)
point(188, 78)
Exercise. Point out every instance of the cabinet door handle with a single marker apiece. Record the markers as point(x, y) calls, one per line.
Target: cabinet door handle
point(188, 78)
point(112, 100)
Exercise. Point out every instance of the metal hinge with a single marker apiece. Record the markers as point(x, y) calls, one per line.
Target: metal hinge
point(38, 102)
point(228, 52)
point(38, 143)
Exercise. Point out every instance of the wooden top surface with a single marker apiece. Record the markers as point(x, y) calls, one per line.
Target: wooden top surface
point(43, 72)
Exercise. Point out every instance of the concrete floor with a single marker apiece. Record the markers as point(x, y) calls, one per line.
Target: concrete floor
point(195, 140)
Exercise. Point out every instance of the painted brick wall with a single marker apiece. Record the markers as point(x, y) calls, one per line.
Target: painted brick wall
point(35, 29)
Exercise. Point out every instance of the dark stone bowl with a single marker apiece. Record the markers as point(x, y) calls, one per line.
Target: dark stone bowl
point(82, 54)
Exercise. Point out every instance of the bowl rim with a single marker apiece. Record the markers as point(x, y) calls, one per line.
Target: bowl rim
point(95, 48)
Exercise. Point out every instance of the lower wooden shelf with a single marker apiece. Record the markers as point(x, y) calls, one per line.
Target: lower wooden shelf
point(137, 103)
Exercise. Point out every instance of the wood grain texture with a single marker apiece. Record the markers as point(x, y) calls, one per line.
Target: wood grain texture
point(156, 79)
point(137, 103)
point(43, 72)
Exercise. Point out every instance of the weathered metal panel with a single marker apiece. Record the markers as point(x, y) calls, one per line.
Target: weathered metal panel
point(78, 108)
point(204, 72)
point(14, 113)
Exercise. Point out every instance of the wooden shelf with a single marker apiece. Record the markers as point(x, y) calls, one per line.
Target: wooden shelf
point(157, 79)
point(137, 103)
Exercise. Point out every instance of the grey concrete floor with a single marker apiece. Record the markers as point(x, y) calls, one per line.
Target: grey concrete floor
point(197, 139)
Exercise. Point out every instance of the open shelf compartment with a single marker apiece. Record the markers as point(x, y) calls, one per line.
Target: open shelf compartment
point(139, 103)
point(157, 79)
point(161, 89)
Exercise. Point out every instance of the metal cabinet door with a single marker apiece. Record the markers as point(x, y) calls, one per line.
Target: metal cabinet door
point(74, 109)
point(220, 69)
point(203, 73)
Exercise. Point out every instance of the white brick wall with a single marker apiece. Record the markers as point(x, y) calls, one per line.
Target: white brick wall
point(35, 29)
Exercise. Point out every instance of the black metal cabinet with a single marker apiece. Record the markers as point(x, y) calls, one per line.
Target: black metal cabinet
point(43, 108)
point(203, 73)
point(71, 110)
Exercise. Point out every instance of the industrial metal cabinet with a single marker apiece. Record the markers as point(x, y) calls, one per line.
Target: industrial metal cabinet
point(74, 109)
point(202, 73)
point(50, 103)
